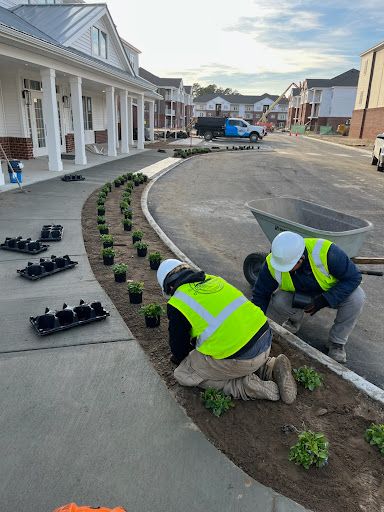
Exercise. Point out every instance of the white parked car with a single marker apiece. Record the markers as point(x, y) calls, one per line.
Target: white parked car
point(378, 152)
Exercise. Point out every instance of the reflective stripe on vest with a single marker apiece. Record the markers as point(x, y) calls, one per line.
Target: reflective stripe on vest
point(317, 249)
point(222, 319)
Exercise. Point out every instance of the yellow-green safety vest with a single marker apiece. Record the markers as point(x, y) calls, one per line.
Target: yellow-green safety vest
point(317, 249)
point(223, 320)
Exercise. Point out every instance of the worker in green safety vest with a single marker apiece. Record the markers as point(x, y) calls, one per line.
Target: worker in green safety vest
point(305, 275)
point(219, 339)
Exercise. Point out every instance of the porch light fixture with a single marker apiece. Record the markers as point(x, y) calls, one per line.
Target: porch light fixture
point(66, 101)
point(27, 97)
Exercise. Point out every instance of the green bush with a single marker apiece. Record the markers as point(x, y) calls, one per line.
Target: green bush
point(100, 219)
point(127, 222)
point(100, 210)
point(137, 234)
point(155, 257)
point(108, 251)
point(152, 310)
point(308, 377)
point(135, 286)
point(374, 435)
point(102, 227)
point(119, 268)
point(310, 450)
point(140, 245)
point(107, 239)
point(216, 401)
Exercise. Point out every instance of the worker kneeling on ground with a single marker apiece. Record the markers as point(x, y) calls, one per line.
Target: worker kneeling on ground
point(219, 339)
point(320, 270)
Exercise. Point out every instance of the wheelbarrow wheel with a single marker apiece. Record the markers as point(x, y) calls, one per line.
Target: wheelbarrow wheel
point(252, 266)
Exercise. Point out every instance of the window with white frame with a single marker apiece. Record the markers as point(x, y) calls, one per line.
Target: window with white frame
point(265, 108)
point(99, 43)
point(248, 108)
point(281, 117)
point(87, 113)
point(211, 107)
point(235, 108)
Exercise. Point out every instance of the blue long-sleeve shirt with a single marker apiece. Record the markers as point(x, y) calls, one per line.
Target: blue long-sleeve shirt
point(339, 266)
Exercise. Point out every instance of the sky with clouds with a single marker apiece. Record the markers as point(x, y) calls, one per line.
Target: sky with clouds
point(254, 46)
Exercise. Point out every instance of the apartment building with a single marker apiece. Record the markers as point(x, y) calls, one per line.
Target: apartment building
point(250, 108)
point(368, 114)
point(67, 80)
point(174, 111)
point(323, 102)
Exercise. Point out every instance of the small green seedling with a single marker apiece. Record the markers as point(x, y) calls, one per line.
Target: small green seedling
point(100, 219)
point(374, 435)
point(154, 257)
point(217, 401)
point(152, 310)
point(108, 251)
point(140, 245)
point(310, 450)
point(127, 222)
point(102, 227)
point(107, 239)
point(137, 235)
point(120, 268)
point(135, 287)
point(308, 377)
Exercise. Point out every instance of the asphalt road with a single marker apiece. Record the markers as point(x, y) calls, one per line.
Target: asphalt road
point(201, 207)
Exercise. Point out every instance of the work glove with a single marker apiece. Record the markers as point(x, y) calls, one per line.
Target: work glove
point(318, 303)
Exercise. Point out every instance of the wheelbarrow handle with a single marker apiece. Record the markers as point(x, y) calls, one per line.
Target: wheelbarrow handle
point(362, 260)
point(371, 272)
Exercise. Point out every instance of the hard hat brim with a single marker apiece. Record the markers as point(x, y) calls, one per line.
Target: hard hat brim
point(284, 268)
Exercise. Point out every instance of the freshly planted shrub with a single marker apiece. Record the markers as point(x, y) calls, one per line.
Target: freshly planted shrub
point(129, 186)
point(123, 206)
point(310, 450)
point(137, 235)
point(216, 401)
point(107, 240)
point(129, 175)
point(374, 435)
point(152, 310)
point(100, 210)
point(126, 197)
point(102, 195)
point(136, 181)
point(109, 185)
point(127, 223)
point(140, 245)
point(103, 229)
point(100, 219)
point(308, 377)
point(135, 287)
point(120, 268)
point(101, 201)
point(154, 260)
point(108, 251)
point(117, 182)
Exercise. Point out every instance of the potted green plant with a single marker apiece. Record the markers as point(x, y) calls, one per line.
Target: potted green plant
point(137, 236)
point(129, 186)
point(101, 201)
point(141, 248)
point(120, 272)
point(145, 178)
point(103, 229)
point(136, 181)
point(117, 182)
point(127, 223)
point(102, 196)
point(100, 210)
point(123, 179)
point(100, 219)
point(126, 197)
point(154, 260)
point(129, 175)
point(127, 212)
point(107, 240)
point(152, 314)
point(108, 255)
point(108, 185)
point(124, 205)
point(135, 292)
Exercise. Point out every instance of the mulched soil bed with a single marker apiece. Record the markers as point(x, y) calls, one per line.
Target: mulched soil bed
point(251, 433)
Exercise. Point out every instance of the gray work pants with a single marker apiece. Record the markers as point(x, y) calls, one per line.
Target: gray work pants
point(347, 314)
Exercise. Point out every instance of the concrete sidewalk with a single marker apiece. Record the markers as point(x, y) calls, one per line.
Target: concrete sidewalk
point(84, 416)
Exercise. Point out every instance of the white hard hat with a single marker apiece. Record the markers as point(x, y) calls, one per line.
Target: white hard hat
point(287, 249)
point(165, 268)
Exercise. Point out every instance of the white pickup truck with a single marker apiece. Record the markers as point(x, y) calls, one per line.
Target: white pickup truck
point(211, 127)
point(378, 152)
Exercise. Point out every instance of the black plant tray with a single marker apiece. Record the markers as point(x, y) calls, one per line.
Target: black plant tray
point(51, 233)
point(73, 177)
point(35, 271)
point(70, 316)
point(19, 244)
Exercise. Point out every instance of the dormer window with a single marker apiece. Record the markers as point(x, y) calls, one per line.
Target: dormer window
point(99, 43)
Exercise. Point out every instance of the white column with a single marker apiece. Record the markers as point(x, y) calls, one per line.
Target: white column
point(51, 119)
point(124, 121)
point(140, 122)
point(111, 120)
point(130, 121)
point(152, 120)
point(78, 119)
point(117, 120)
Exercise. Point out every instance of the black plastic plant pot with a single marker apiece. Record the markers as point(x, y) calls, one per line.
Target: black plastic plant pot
point(55, 234)
point(137, 183)
point(98, 308)
point(135, 298)
point(83, 312)
point(65, 317)
point(61, 262)
point(104, 231)
point(142, 252)
point(45, 233)
point(21, 244)
point(152, 321)
point(47, 265)
point(46, 322)
point(34, 270)
point(136, 239)
point(107, 244)
point(127, 227)
point(34, 246)
point(121, 278)
point(99, 221)
point(12, 242)
point(108, 260)
point(100, 211)
point(154, 265)
point(117, 184)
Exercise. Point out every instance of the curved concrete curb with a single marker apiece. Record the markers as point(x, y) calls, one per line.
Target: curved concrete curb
point(360, 383)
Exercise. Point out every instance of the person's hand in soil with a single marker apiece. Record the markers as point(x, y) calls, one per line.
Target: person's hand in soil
point(318, 303)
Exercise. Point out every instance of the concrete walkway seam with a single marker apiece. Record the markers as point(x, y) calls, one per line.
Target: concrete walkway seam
point(359, 382)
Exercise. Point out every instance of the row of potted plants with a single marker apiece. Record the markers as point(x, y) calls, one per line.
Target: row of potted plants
point(185, 153)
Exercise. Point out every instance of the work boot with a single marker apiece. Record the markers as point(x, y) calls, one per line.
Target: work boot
point(291, 326)
point(282, 375)
point(255, 388)
point(337, 352)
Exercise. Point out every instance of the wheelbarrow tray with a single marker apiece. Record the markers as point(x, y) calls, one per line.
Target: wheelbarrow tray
point(310, 220)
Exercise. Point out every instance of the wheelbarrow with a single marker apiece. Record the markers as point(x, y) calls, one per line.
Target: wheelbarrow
point(309, 220)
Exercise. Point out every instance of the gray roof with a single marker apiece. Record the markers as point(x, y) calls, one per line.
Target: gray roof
point(237, 98)
point(12, 20)
point(348, 79)
point(161, 82)
point(61, 22)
